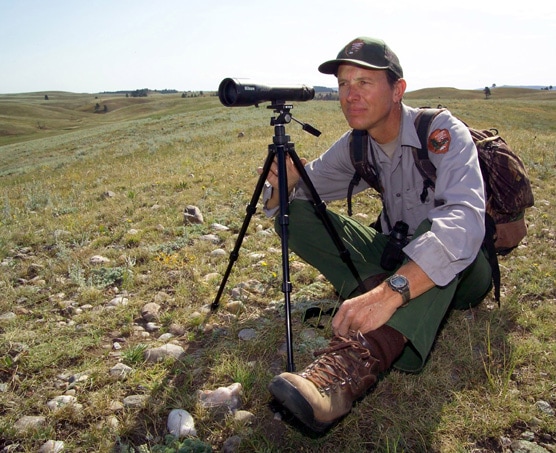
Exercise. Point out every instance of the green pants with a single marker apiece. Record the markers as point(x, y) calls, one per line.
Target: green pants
point(420, 320)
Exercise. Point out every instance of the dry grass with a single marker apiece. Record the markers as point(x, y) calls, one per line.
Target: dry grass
point(160, 154)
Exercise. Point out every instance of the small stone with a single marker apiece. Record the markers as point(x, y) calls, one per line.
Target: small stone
point(52, 446)
point(150, 311)
point(210, 238)
point(8, 316)
point(98, 259)
point(165, 337)
point(545, 407)
point(135, 401)
point(152, 327)
point(29, 422)
point(118, 301)
point(181, 424)
point(112, 422)
point(244, 417)
point(219, 227)
point(163, 352)
point(120, 370)
point(177, 329)
point(193, 215)
point(235, 307)
point(116, 406)
point(231, 445)
point(61, 401)
point(247, 334)
point(228, 397)
point(256, 256)
point(218, 252)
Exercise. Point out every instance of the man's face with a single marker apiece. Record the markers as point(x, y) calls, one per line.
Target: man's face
point(366, 97)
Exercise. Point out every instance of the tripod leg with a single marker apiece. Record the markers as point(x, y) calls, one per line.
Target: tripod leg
point(284, 222)
point(320, 208)
point(250, 210)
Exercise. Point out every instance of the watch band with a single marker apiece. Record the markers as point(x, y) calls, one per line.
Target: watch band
point(400, 284)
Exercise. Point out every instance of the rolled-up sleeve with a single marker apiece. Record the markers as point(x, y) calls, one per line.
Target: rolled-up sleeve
point(458, 225)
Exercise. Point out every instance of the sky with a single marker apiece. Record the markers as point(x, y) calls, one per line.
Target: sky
point(92, 46)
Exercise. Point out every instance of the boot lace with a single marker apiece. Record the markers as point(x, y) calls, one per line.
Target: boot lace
point(344, 362)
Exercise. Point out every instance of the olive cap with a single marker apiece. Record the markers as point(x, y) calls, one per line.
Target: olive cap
point(366, 52)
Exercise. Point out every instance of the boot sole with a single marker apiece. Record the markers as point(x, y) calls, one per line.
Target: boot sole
point(289, 397)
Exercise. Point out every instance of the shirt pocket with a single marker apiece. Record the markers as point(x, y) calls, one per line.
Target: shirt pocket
point(414, 209)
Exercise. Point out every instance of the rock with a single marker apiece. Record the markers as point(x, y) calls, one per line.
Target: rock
point(29, 422)
point(8, 316)
point(219, 227)
point(98, 259)
point(223, 397)
point(231, 445)
point(165, 337)
point(211, 276)
point(235, 307)
point(152, 327)
point(525, 446)
point(177, 329)
point(247, 334)
point(161, 297)
point(116, 406)
point(63, 400)
point(210, 238)
point(118, 301)
point(163, 352)
point(192, 215)
point(52, 446)
point(120, 370)
point(256, 256)
point(181, 424)
point(218, 252)
point(244, 417)
point(545, 407)
point(135, 401)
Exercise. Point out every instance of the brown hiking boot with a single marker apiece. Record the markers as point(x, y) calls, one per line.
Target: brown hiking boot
point(326, 389)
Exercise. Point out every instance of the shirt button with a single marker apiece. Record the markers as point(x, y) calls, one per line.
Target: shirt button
point(398, 195)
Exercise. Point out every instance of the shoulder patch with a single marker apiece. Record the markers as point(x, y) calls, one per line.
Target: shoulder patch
point(439, 141)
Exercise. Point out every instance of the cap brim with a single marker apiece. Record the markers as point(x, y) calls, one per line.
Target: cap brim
point(331, 67)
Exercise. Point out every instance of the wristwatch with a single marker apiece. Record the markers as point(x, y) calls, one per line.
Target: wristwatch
point(399, 284)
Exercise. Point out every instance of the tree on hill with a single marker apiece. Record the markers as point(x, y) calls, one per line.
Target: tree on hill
point(140, 93)
point(487, 92)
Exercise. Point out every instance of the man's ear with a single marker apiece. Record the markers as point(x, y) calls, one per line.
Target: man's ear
point(399, 90)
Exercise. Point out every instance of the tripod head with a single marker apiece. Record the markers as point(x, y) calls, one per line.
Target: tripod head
point(284, 117)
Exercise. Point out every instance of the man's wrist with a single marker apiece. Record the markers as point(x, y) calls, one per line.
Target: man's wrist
point(400, 284)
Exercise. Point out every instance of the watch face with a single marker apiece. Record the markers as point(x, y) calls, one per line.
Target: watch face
point(398, 281)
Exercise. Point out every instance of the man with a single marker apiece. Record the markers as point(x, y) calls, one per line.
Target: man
point(394, 323)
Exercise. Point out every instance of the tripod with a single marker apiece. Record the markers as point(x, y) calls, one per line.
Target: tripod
point(280, 147)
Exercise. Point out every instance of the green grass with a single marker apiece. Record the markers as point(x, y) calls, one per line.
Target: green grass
point(58, 160)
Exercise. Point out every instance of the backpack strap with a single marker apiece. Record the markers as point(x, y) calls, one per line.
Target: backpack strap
point(421, 155)
point(358, 145)
point(492, 256)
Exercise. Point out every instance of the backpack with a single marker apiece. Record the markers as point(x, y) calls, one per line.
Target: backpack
point(507, 187)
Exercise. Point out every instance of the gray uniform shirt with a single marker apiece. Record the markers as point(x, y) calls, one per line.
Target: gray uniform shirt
point(456, 207)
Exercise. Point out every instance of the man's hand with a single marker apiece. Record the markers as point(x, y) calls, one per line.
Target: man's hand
point(366, 312)
point(373, 309)
point(272, 178)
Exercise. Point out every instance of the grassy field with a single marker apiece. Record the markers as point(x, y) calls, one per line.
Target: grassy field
point(77, 184)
